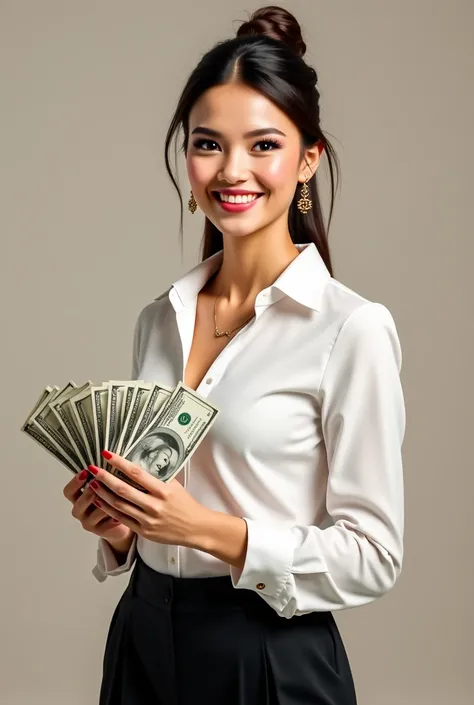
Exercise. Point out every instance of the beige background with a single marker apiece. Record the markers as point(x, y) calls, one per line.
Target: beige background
point(89, 235)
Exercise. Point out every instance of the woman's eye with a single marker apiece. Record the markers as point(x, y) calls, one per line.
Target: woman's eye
point(272, 143)
point(269, 145)
point(199, 144)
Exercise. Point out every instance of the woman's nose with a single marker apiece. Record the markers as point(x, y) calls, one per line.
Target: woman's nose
point(235, 169)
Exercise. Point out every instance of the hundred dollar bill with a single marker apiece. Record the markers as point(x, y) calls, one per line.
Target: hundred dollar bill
point(120, 404)
point(115, 409)
point(61, 407)
point(45, 420)
point(172, 436)
point(99, 396)
point(137, 404)
point(47, 445)
point(127, 402)
point(100, 407)
point(42, 397)
point(83, 430)
point(40, 437)
point(81, 409)
point(155, 401)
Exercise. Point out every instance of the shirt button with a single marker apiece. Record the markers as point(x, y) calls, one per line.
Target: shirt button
point(209, 380)
point(260, 586)
point(172, 560)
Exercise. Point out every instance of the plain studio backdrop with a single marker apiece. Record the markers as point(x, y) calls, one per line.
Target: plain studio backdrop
point(89, 235)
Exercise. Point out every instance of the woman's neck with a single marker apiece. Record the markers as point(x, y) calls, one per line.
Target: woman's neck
point(249, 265)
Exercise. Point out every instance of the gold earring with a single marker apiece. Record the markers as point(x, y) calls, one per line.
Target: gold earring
point(192, 205)
point(304, 204)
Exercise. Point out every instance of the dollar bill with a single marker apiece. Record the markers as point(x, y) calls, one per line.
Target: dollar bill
point(47, 445)
point(115, 409)
point(99, 410)
point(128, 391)
point(152, 425)
point(172, 436)
point(38, 434)
point(156, 399)
point(44, 394)
point(44, 419)
point(121, 402)
point(61, 407)
point(81, 408)
point(138, 401)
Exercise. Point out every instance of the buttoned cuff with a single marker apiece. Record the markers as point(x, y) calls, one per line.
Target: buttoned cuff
point(107, 563)
point(270, 551)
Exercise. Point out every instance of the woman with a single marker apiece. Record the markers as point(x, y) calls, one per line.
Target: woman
point(292, 506)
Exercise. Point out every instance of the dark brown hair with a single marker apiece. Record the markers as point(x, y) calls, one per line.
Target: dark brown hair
point(266, 55)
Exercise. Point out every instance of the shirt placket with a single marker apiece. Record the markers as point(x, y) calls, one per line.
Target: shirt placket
point(185, 319)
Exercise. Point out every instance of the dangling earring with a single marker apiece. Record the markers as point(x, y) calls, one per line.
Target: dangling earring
point(192, 205)
point(304, 204)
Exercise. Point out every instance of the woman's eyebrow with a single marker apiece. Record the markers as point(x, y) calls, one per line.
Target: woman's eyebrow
point(253, 133)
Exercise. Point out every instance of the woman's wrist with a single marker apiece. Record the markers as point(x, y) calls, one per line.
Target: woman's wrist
point(122, 546)
point(225, 537)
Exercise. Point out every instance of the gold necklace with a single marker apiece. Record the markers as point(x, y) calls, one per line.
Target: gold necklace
point(228, 333)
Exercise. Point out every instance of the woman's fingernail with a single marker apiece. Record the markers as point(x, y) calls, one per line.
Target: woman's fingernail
point(93, 469)
point(115, 521)
point(94, 485)
point(106, 454)
point(97, 503)
point(83, 474)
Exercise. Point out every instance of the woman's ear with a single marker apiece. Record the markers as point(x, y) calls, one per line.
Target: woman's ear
point(310, 162)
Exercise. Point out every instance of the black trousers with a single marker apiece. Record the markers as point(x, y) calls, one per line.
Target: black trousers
point(187, 641)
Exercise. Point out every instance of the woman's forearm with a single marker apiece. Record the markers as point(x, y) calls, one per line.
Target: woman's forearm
point(225, 537)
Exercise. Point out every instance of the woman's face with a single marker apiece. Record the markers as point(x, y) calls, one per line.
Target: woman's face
point(156, 457)
point(221, 154)
point(161, 460)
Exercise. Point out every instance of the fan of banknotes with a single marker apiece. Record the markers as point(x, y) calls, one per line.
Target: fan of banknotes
point(153, 426)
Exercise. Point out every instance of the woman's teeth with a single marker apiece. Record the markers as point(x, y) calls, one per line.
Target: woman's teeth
point(237, 199)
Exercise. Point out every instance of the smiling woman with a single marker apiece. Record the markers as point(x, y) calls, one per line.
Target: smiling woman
point(256, 86)
point(292, 507)
point(253, 160)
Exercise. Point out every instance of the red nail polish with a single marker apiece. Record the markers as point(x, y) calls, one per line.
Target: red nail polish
point(94, 485)
point(83, 474)
point(98, 504)
point(106, 454)
point(93, 469)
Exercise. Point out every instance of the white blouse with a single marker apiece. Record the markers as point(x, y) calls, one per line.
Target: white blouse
point(307, 446)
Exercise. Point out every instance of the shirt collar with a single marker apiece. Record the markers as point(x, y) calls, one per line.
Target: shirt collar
point(304, 280)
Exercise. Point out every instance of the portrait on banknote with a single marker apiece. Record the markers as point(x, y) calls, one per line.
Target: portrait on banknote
point(159, 453)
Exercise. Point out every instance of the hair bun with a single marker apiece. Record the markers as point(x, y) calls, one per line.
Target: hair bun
point(277, 23)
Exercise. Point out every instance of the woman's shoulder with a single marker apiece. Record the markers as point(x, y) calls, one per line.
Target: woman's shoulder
point(154, 309)
point(342, 301)
point(357, 319)
point(162, 296)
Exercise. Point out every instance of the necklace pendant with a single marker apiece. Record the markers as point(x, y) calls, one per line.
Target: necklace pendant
point(218, 334)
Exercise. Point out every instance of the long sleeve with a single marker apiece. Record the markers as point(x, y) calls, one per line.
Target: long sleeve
point(358, 558)
point(107, 563)
point(106, 560)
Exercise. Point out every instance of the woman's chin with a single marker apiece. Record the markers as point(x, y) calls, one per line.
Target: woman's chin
point(235, 228)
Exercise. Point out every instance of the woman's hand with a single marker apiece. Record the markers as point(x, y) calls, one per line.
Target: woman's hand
point(165, 513)
point(93, 519)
